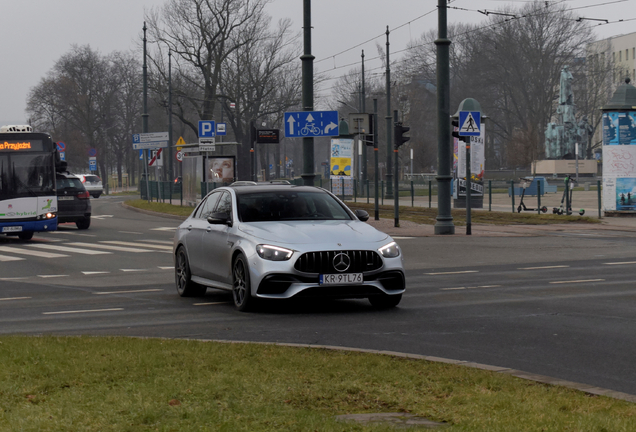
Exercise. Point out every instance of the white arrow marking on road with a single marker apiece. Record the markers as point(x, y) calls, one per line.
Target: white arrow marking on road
point(291, 122)
point(310, 118)
point(330, 126)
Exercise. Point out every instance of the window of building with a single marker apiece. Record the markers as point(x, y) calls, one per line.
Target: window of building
point(620, 56)
point(626, 54)
point(614, 57)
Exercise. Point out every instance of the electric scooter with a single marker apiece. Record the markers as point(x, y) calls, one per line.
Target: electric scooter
point(525, 182)
point(561, 210)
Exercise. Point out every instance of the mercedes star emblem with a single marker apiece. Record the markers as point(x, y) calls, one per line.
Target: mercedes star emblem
point(341, 262)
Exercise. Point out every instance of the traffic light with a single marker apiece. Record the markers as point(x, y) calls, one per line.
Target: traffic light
point(455, 133)
point(399, 132)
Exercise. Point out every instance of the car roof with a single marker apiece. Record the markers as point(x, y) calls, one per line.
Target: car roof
point(67, 175)
point(274, 187)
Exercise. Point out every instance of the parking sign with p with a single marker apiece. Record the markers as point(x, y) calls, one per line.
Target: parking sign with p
point(207, 129)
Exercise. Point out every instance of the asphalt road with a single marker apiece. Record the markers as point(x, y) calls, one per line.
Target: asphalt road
point(558, 303)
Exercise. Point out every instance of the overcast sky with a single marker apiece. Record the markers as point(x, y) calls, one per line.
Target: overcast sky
point(35, 33)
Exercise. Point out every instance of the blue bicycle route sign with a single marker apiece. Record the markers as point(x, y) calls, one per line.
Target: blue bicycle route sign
point(311, 124)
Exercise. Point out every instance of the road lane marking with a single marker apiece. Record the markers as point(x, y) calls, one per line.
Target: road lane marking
point(402, 238)
point(70, 249)
point(453, 272)
point(208, 304)
point(620, 263)
point(126, 292)
point(72, 233)
point(543, 268)
point(162, 247)
point(52, 276)
point(109, 247)
point(164, 229)
point(577, 281)
point(101, 216)
point(83, 311)
point(10, 258)
point(32, 252)
point(133, 270)
point(470, 287)
point(88, 273)
point(14, 298)
point(14, 278)
point(130, 232)
point(166, 267)
point(168, 242)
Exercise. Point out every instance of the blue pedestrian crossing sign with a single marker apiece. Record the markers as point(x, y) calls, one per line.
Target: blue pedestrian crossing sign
point(469, 123)
point(311, 124)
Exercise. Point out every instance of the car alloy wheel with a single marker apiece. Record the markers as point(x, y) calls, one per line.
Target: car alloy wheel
point(183, 277)
point(241, 284)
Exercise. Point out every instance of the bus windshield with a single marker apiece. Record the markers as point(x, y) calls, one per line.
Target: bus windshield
point(26, 175)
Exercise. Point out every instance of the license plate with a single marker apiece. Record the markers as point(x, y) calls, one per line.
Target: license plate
point(12, 229)
point(341, 279)
point(65, 198)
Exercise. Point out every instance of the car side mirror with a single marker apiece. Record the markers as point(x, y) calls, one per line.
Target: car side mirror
point(220, 218)
point(362, 215)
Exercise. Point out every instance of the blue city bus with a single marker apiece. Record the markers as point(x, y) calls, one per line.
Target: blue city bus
point(28, 163)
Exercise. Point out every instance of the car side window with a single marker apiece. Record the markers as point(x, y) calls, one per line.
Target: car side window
point(206, 207)
point(225, 204)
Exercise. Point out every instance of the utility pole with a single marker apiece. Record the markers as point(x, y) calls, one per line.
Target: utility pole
point(444, 224)
point(364, 146)
point(375, 158)
point(144, 116)
point(170, 154)
point(389, 193)
point(307, 60)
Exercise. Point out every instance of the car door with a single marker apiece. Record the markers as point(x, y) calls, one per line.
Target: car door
point(196, 227)
point(215, 246)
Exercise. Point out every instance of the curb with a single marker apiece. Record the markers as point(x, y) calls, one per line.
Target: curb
point(153, 213)
point(589, 389)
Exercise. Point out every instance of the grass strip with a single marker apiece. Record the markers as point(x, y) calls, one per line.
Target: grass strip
point(123, 384)
point(425, 215)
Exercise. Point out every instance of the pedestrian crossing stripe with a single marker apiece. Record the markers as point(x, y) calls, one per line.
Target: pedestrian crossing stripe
point(109, 247)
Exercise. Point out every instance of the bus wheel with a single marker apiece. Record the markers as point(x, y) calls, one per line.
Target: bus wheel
point(26, 235)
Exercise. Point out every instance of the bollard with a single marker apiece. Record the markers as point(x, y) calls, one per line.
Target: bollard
point(512, 193)
point(598, 189)
point(412, 195)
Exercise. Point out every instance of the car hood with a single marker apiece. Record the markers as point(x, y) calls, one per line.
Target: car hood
point(316, 232)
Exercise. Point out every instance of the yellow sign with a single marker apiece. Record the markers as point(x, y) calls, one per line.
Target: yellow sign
point(180, 142)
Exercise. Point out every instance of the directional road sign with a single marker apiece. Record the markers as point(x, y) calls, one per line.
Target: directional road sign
point(153, 140)
point(311, 124)
point(469, 123)
point(207, 129)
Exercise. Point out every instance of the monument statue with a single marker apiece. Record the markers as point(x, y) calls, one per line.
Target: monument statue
point(585, 134)
point(561, 137)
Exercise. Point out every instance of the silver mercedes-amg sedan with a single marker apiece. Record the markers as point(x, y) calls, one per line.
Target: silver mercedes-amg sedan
point(279, 241)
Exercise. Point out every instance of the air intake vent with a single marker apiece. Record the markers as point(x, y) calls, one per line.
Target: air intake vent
point(329, 262)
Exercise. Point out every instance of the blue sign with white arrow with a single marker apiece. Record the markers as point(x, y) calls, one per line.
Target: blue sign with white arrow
point(469, 123)
point(311, 124)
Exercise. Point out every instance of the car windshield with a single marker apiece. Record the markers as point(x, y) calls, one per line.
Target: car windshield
point(69, 183)
point(289, 205)
point(92, 178)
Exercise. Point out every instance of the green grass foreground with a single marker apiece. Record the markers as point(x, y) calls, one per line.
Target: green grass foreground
point(125, 384)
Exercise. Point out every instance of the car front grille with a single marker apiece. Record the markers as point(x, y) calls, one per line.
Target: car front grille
point(323, 262)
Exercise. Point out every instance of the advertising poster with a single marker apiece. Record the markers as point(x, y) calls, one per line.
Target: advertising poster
point(220, 169)
point(619, 161)
point(477, 163)
point(341, 165)
point(625, 194)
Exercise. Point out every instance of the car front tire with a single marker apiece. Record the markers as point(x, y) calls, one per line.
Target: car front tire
point(183, 277)
point(241, 292)
point(26, 235)
point(83, 224)
point(384, 301)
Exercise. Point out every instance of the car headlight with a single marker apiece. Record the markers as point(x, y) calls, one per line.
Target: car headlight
point(391, 250)
point(273, 253)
